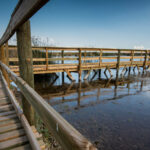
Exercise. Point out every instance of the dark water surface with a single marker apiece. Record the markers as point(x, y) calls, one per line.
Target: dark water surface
point(113, 115)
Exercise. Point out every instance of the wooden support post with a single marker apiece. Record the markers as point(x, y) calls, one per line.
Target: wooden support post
point(100, 58)
point(84, 56)
point(69, 75)
point(117, 67)
point(46, 58)
point(124, 69)
point(132, 57)
point(87, 75)
point(7, 62)
point(80, 63)
point(26, 64)
point(95, 73)
point(118, 64)
point(109, 71)
point(105, 73)
point(4, 60)
point(145, 61)
point(63, 77)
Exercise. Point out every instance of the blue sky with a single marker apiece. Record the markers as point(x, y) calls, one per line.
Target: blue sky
point(90, 23)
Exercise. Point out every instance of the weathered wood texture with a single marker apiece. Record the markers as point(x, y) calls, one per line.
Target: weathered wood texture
point(14, 132)
point(66, 135)
point(23, 11)
point(25, 65)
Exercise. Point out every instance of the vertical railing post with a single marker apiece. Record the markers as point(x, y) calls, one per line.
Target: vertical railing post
point(46, 58)
point(131, 60)
point(4, 59)
point(85, 56)
point(100, 62)
point(80, 71)
point(2, 55)
point(145, 61)
point(7, 62)
point(62, 62)
point(26, 64)
point(118, 64)
point(100, 58)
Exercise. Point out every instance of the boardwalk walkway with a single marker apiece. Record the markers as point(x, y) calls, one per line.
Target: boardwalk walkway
point(12, 133)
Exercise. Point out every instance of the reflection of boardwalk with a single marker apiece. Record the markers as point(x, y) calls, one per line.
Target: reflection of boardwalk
point(103, 91)
point(13, 129)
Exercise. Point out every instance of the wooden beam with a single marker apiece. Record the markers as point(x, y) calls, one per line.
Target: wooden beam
point(62, 62)
point(26, 65)
point(80, 63)
point(118, 64)
point(23, 11)
point(4, 59)
point(69, 75)
point(100, 57)
point(46, 58)
point(87, 75)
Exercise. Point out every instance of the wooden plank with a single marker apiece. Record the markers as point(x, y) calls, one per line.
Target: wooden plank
point(7, 113)
point(4, 102)
point(24, 147)
point(9, 144)
point(100, 57)
point(118, 65)
point(11, 135)
point(10, 128)
point(80, 63)
point(6, 108)
point(23, 11)
point(46, 59)
point(9, 122)
point(9, 117)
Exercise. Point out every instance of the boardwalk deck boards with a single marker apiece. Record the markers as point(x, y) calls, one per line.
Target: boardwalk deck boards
point(12, 133)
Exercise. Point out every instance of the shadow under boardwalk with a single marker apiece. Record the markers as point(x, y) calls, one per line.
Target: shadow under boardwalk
point(12, 133)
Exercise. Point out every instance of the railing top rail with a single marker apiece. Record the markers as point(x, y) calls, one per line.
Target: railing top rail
point(23, 11)
point(79, 48)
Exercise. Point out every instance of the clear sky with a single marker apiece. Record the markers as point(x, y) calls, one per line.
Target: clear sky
point(90, 23)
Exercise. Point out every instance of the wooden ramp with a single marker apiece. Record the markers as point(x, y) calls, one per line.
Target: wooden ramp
point(12, 133)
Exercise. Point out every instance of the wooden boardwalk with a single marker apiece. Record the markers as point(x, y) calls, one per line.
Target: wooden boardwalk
point(12, 133)
point(65, 59)
point(14, 130)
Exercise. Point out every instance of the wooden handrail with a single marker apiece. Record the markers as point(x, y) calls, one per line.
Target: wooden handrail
point(67, 135)
point(81, 48)
point(23, 11)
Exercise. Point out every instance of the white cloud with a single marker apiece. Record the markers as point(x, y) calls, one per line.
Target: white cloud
point(139, 47)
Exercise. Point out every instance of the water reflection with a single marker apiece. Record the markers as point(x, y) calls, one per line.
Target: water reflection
point(113, 114)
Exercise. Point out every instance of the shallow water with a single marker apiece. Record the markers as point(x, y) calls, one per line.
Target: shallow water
point(113, 115)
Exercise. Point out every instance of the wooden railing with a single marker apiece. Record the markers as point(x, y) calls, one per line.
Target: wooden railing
point(57, 59)
point(67, 135)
